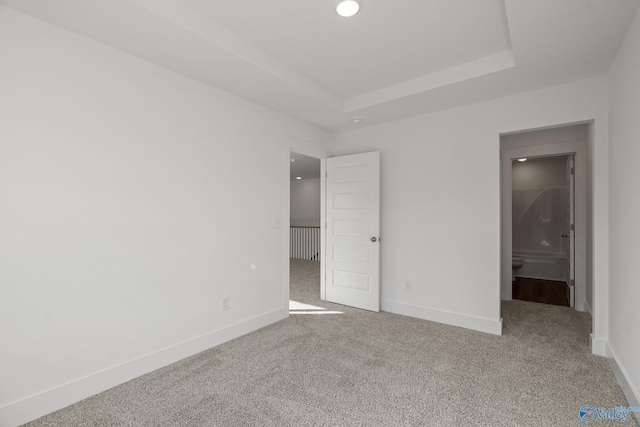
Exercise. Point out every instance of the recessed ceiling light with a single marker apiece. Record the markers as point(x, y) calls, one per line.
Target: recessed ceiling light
point(522, 160)
point(298, 177)
point(293, 160)
point(356, 120)
point(348, 8)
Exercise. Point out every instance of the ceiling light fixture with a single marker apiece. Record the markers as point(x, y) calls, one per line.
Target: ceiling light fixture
point(298, 177)
point(522, 160)
point(347, 8)
point(293, 160)
point(356, 120)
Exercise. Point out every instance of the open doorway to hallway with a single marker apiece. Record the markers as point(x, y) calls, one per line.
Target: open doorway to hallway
point(304, 234)
point(349, 226)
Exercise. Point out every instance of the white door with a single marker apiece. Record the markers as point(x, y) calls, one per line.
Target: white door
point(352, 270)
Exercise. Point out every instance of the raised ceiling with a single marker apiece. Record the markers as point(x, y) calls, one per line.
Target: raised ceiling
point(394, 59)
point(380, 47)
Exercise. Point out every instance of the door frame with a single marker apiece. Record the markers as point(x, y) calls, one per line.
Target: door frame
point(578, 149)
point(294, 144)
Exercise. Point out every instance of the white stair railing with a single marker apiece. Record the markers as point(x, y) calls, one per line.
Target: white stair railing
point(304, 243)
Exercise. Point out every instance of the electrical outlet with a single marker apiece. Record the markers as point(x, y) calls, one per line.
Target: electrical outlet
point(408, 286)
point(225, 304)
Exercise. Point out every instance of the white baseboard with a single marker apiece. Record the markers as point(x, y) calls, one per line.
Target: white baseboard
point(38, 405)
point(599, 347)
point(629, 389)
point(456, 319)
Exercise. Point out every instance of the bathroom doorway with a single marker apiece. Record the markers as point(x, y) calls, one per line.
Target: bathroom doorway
point(543, 243)
point(543, 229)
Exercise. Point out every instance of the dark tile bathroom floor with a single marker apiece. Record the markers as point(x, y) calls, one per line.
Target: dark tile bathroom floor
point(539, 290)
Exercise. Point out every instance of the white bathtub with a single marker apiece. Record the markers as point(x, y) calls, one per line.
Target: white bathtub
point(540, 265)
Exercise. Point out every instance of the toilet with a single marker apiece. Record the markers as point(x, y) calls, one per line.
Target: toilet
point(516, 263)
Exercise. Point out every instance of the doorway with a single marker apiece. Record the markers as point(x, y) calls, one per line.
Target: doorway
point(305, 254)
point(570, 141)
point(542, 229)
point(349, 187)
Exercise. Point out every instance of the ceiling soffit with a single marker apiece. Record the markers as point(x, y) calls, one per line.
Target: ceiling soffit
point(207, 21)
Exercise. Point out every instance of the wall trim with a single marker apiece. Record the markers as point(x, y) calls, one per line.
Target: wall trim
point(599, 347)
point(43, 403)
point(630, 391)
point(448, 318)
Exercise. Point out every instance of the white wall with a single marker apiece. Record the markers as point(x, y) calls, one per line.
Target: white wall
point(133, 201)
point(305, 202)
point(441, 199)
point(625, 207)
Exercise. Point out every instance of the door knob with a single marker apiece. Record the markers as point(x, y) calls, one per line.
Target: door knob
point(374, 239)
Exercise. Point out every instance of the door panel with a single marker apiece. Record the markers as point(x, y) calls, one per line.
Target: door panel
point(353, 220)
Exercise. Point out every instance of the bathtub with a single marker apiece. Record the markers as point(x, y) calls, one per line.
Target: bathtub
point(541, 265)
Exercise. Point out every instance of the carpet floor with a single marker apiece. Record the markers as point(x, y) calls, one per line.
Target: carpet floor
point(330, 365)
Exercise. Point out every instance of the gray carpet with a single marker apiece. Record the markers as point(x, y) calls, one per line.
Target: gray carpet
point(356, 368)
